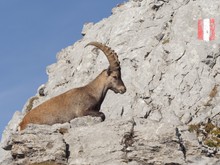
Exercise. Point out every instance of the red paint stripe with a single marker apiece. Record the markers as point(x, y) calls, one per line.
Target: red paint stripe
point(212, 29)
point(200, 29)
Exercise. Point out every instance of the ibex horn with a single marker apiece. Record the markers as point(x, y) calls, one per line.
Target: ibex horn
point(110, 54)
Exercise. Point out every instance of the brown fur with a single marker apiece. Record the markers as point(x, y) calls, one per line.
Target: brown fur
point(76, 102)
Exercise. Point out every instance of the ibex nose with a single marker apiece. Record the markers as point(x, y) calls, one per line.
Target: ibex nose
point(122, 90)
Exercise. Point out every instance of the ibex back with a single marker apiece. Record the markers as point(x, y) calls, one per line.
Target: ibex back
point(81, 101)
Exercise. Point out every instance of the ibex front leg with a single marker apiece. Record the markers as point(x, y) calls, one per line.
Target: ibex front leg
point(95, 114)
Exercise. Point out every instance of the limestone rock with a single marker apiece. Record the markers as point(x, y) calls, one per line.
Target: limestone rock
point(5, 157)
point(10, 129)
point(172, 81)
point(38, 144)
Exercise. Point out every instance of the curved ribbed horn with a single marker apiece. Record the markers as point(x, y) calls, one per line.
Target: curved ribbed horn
point(110, 54)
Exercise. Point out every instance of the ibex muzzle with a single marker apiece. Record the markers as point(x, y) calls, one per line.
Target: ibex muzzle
point(116, 82)
point(80, 101)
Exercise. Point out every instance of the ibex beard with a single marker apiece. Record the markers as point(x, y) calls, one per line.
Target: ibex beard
point(80, 101)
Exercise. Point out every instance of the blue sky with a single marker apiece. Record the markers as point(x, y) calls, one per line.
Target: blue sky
point(31, 33)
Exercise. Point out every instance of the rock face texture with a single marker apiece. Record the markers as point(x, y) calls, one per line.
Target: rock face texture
point(171, 111)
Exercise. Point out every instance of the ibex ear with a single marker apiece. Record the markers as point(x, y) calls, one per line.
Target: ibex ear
point(109, 71)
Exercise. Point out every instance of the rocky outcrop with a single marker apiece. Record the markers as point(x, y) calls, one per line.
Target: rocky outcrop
point(170, 112)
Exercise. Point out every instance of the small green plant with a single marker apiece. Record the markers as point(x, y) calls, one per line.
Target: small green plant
point(209, 127)
point(210, 143)
point(210, 133)
point(47, 163)
point(216, 132)
point(166, 41)
point(194, 128)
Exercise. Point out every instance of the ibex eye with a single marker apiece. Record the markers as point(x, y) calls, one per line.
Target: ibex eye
point(115, 77)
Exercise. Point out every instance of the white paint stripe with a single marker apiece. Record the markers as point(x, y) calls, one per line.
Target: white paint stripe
point(206, 29)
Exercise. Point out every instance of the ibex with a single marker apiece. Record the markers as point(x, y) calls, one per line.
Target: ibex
point(80, 101)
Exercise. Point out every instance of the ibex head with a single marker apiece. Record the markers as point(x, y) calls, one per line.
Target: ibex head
point(114, 81)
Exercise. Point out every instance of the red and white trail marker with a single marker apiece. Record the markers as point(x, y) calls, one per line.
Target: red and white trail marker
point(206, 29)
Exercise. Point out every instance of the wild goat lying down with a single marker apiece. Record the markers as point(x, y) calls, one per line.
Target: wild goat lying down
point(80, 101)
